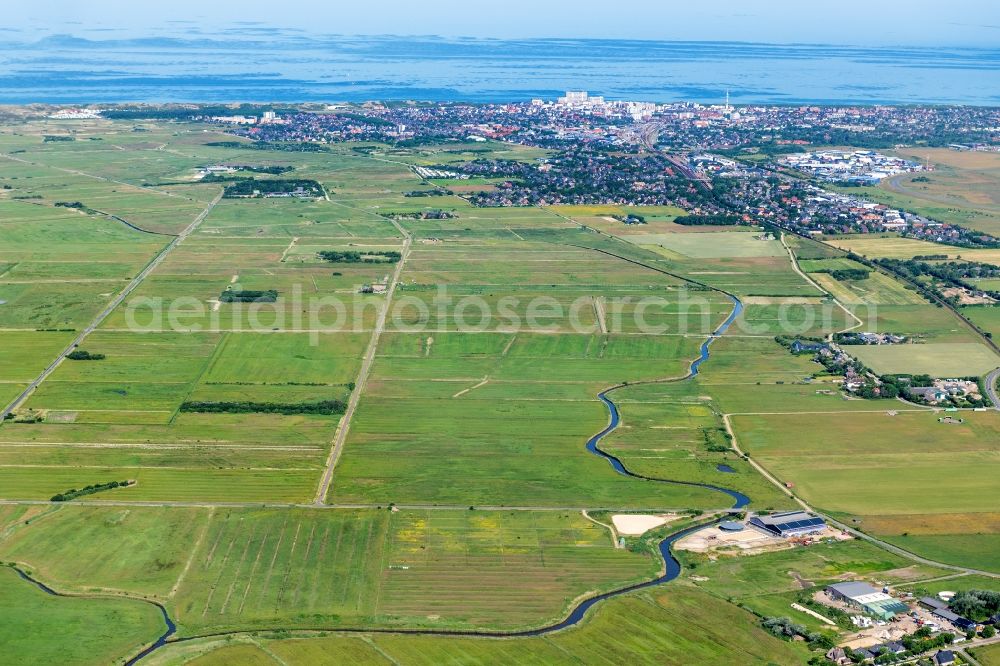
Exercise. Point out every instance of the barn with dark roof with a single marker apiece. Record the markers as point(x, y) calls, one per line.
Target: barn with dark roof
point(789, 523)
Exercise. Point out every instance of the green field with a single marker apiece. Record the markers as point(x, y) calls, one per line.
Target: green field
point(878, 289)
point(218, 569)
point(714, 245)
point(893, 247)
point(509, 414)
point(987, 318)
point(673, 626)
point(849, 463)
point(935, 359)
point(461, 493)
point(988, 655)
point(90, 630)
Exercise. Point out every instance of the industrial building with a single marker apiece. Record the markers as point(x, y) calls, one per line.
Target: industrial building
point(789, 523)
point(868, 599)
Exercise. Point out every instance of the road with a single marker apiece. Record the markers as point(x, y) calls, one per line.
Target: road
point(194, 504)
point(366, 364)
point(804, 276)
point(990, 384)
point(109, 308)
point(76, 172)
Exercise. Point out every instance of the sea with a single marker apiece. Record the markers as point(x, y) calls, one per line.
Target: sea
point(67, 69)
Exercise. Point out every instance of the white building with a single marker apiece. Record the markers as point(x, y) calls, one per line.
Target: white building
point(75, 114)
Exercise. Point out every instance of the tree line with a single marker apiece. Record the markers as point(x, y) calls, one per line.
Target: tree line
point(322, 407)
point(73, 493)
point(249, 296)
point(354, 257)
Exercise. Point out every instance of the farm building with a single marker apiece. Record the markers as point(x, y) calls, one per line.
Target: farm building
point(939, 609)
point(932, 604)
point(867, 598)
point(957, 620)
point(800, 347)
point(789, 523)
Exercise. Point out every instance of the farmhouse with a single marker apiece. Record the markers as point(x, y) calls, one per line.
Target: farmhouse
point(789, 523)
point(799, 347)
point(867, 598)
point(929, 393)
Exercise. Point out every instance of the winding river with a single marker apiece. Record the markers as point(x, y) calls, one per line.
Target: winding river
point(160, 642)
point(671, 566)
point(593, 445)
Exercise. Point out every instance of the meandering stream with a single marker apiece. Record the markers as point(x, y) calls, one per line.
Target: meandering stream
point(671, 567)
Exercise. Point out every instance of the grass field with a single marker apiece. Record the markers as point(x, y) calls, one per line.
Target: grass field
point(509, 414)
point(935, 359)
point(849, 463)
point(457, 411)
point(978, 551)
point(714, 245)
point(878, 289)
point(90, 630)
point(953, 583)
point(988, 655)
point(139, 552)
point(219, 568)
point(986, 318)
point(893, 247)
point(680, 623)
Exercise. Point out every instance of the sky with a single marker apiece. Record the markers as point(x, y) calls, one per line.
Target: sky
point(854, 22)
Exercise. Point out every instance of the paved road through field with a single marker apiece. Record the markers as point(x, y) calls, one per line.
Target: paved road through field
point(352, 403)
point(109, 308)
point(990, 384)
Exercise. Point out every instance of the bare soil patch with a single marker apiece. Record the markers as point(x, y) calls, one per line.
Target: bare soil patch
point(631, 524)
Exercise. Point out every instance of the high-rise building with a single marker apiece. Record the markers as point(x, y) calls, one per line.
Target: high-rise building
point(574, 98)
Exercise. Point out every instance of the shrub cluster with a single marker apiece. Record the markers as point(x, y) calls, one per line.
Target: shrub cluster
point(80, 355)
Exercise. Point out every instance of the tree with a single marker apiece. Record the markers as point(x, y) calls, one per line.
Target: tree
point(976, 604)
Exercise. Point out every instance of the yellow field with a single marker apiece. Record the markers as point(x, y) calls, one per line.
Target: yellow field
point(906, 248)
point(878, 289)
point(940, 523)
point(588, 211)
point(892, 247)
